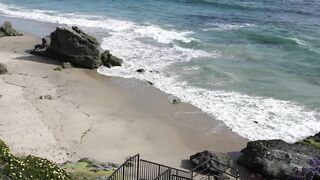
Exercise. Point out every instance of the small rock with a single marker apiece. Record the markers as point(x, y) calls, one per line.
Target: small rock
point(47, 96)
point(3, 69)
point(289, 157)
point(140, 70)
point(67, 65)
point(174, 100)
point(149, 83)
point(109, 60)
point(58, 68)
point(154, 71)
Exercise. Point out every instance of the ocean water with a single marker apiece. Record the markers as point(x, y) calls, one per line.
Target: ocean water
point(253, 64)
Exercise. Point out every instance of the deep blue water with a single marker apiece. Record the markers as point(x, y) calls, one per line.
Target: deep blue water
point(239, 60)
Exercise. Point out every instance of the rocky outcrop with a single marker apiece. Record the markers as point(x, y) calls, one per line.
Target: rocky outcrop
point(7, 30)
point(312, 141)
point(277, 159)
point(88, 169)
point(75, 46)
point(41, 49)
point(199, 159)
point(3, 69)
point(67, 65)
point(109, 60)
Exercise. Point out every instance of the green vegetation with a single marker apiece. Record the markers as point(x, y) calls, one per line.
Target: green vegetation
point(28, 168)
point(83, 170)
point(311, 142)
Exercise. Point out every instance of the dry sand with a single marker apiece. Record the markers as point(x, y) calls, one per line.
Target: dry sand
point(95, 116)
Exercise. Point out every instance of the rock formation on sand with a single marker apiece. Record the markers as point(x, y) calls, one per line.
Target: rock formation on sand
point(205, 156)
point(7, 30)
point(3, 69)
point(277, 159)
point(75, 46)
point(109, 60)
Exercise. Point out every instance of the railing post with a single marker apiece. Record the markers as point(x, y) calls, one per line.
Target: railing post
point(138, 167)
point(123, 172)
point(159, 170)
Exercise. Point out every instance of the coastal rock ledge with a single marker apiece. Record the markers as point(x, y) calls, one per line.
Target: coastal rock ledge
point(7, 30)
point(74, 46)
point(277, 159)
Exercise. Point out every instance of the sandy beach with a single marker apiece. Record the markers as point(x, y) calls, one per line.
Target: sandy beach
point(91, 115)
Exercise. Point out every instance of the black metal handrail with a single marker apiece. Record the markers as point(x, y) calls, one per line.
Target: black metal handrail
point(160, 167)
point(127, 170)
point(135, 168)
point(176, 177)
point(208, 165)
point(166, 175)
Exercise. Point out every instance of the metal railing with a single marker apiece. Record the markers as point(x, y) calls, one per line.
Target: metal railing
point(150, 170)
point(207, 166)
point(166, 175)
point(135, 168)
point(129, 170)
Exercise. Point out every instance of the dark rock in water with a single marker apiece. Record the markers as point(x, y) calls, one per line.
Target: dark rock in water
point(7, 30)
point(3, 69)
point(149, 83)
point(174, 100)
point(140, 70)
point(277, 159)
point(154, 71)
point(71, 45)
point(109, 60)
point(205, 156)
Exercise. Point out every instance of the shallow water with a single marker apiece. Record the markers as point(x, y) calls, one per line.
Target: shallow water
point(253, 64)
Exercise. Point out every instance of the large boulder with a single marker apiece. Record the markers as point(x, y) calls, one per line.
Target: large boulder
point(7, 30)
point(3, 69)
point(71, 45)
point(277, 159)
point(75, 46)
point(202, 161)
point(109, 60)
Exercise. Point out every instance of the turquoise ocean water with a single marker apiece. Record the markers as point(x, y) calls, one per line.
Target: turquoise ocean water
point(253, 64)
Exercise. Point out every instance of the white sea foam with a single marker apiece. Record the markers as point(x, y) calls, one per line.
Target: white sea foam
point(255, 118)
point(162, 35)
point(225, 27)
point(149, 31)
point(252, 117)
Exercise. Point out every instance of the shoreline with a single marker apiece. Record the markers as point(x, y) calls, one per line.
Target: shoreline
point(126, 114)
